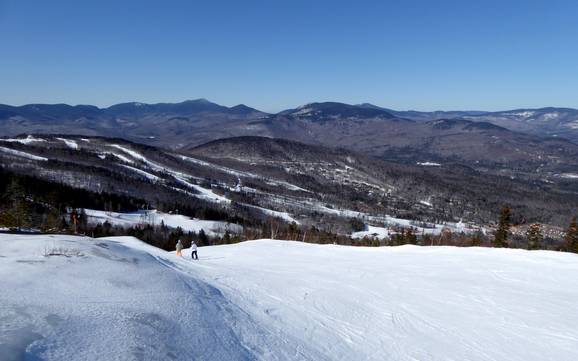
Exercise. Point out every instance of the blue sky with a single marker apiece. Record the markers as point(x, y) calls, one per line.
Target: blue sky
point(412, 54)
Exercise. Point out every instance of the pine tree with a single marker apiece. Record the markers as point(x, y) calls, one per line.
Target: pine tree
point(572, 236)
point(535, 236)
point(203, 239)
point(503, 231)
point(227, 237)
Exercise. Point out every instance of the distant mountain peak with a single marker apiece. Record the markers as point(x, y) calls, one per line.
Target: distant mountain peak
point(243, 109)
point(199, 101)
point(324, 110)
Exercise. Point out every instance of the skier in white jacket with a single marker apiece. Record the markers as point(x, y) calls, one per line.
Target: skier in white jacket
point(194, 250)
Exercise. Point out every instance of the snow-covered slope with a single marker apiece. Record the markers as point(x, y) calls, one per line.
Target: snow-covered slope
point(156, 218)
point(118, 299)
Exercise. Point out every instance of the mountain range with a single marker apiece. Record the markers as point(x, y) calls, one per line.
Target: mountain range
point(251, 178)
point(526, 143)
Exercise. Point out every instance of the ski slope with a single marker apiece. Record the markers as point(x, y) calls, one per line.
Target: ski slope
point(156, 218)
point(119, 299)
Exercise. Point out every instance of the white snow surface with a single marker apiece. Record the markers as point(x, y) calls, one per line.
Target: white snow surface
point(22, 154)
point(143, 173)
point(429, 164)
point(29, 139)
point(372, 232)
point(69, 143)
point(155, 218)
point(203, 193)
point(283, 215)
point(119, 299)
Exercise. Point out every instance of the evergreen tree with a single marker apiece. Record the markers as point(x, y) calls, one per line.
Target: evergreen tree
point(535, 236)
point(502, 233)
point(52, 221)
point(572, 236)
point(203, 239)
point(19, 211)
point(227, 237)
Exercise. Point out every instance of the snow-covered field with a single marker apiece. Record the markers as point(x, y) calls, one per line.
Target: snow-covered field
point(156, 218)
point(119, 299)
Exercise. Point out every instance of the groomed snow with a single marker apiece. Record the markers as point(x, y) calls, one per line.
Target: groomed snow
point(405, 303)
point(119, 299)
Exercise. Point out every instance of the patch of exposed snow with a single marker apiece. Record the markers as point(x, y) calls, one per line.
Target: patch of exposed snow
point(237, 173)
point(426, 203)
point(552, 115)
point(283, 215)
point(524, 114)
point(203, 193)
point(69, 143)
point(573, 124)
point(141, 172)
point(22, 154)
point(569, 175)
point(119, 156)
point(372, 232)
point(29, 139)
point(429, 164)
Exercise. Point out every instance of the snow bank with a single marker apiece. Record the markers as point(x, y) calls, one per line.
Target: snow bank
point(155, 218)
point(115, 299)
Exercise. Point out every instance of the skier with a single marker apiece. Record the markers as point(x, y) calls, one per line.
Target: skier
point(194, 250)
point(179, 248)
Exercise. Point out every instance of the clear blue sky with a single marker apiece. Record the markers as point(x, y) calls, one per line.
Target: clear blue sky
point(404, 54)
